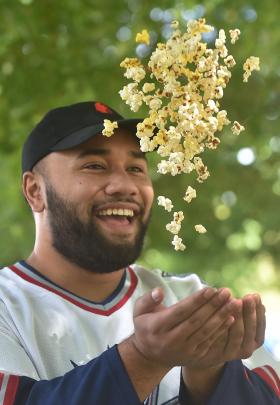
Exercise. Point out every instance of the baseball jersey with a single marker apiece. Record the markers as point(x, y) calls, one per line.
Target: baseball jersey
point(59, 348)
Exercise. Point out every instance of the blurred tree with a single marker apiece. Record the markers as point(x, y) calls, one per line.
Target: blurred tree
point(55, 53)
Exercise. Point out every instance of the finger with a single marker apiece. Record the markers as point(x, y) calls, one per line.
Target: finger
point(250, 326)
point(197, 308)
point(149, 302)
point(218, 329)
point(261, 321)
point(216, 342)
point(201, 326)
point(236, 333)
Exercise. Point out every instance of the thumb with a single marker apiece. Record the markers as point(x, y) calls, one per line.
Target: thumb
point(149, 302)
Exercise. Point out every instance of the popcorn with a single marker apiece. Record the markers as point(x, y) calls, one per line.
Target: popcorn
point(190, 194)
point(147, 145)
point(234, 35)
point(148, 87)
point(212, 105)
point(130, 62)
point(182, 86)
point(201, 170)
point(165, 202)
point(200, 228)
point(178, 216)
point(155, 103)
point(177, 243)
point(252, 63)
point(175, 225)
point(132, 96)
point(237, 128)
point(143, 37)
point(109, 127)
point(219, 93)
point(137, 73)
point(229, 61)
point(222, 119)
point(220, 42)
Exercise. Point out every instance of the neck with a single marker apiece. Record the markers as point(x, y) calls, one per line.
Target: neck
point(92, 286)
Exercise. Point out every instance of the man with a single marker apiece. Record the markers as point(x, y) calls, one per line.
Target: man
point(78, 323)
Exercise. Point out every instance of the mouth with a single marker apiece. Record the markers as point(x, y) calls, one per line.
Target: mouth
point(118, 219)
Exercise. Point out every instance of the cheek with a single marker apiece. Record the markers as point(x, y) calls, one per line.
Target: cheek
point(148, 195)
point(81, 195)
point(82, 190)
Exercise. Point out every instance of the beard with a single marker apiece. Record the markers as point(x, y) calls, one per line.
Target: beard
point(83, 243)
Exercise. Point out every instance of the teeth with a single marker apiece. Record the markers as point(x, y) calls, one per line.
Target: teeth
point(117, 211)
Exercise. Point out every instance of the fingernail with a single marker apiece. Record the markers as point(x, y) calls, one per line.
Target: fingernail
point(156, 295)
point(252, 305)
point(224, 294)
point(209, 292)
point(257, 298)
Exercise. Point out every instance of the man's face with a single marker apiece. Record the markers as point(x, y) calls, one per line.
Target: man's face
point(99, 198)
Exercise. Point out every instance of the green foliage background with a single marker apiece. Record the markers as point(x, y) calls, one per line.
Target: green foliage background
point(54, 53)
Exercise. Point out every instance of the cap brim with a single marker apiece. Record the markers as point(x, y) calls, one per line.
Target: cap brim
point(81, 136)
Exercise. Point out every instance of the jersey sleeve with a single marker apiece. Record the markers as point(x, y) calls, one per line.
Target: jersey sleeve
point(101, 381)
point(13, 356)
point(239, 385)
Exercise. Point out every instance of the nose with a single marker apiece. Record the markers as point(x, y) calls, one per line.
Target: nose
point(121, 183)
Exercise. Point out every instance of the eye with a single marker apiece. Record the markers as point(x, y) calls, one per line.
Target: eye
point(135, 169)
point(95, 166)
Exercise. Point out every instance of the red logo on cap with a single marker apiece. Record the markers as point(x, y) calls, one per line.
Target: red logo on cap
point(102, 108)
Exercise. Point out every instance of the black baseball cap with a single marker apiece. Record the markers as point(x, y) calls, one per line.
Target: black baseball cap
point(65, 127)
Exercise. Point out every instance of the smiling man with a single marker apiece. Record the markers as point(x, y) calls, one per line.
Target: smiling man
point(98, 197)
point(80, 323)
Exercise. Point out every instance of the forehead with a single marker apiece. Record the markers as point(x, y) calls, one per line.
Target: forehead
point(122, 141)
point(121, 145)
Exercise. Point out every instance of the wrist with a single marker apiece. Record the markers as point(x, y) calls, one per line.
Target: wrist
point(145, 374)
point(201, 382)
point(129, 348)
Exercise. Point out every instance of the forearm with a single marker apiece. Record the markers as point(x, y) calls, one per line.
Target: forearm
point(238, 385)
point(201, 383)
point(144, 375)
point(102, 380)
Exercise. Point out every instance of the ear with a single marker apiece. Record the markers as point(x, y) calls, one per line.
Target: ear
point(33, 190)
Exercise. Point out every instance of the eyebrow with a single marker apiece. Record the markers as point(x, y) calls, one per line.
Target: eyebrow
point(103, 152)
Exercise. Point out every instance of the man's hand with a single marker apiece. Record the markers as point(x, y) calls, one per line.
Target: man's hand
point(244, 336)
point(171, 336)
point(185, 331)
point(239, 341)
point(201, 332)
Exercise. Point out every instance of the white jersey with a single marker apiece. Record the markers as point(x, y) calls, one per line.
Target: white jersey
point(47, 331)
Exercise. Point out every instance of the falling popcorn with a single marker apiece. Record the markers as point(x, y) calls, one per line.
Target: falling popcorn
point(234, 35)
point(182, 85)
point(165, 202)
point(148, 87)
point(252, 63)
point(109, 127)
point(143, 37)
point(229, 61)
point(177, 243)
point(237, 128)
point(190, 194)
point(175, 225)
point(200, 228)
